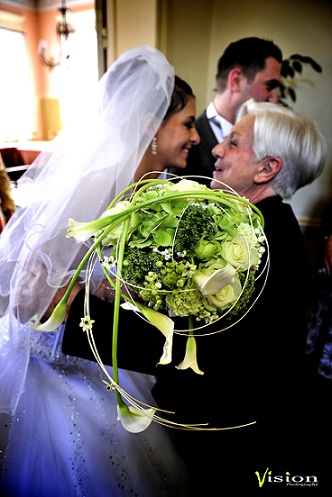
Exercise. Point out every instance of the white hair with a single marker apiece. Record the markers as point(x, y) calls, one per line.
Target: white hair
point(295, 139)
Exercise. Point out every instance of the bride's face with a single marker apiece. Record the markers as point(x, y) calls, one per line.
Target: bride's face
point(176, 136)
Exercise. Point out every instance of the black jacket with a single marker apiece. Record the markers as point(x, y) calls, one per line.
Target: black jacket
point(255, 368)
point(254, 371)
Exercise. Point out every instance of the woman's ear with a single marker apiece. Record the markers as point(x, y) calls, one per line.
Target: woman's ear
point(268, 169)
point(149, 122)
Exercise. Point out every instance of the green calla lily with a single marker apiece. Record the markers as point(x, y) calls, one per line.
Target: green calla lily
point(53, 321)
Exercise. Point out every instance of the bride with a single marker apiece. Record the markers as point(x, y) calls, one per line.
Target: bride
point(59, 435)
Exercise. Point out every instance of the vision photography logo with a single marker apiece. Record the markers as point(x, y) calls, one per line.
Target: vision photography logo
point(286, 479)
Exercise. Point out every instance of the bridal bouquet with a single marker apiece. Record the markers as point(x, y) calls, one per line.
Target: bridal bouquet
point(186, 255)
point(172, 249)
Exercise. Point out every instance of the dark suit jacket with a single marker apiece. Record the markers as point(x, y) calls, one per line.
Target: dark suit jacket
point(140, 344)
point(256, 366)
point(200, 161)
point(254, 371)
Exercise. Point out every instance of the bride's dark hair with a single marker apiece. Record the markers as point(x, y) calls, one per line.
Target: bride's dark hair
point(182, 90)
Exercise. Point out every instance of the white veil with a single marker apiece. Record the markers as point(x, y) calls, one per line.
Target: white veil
point(87, 166)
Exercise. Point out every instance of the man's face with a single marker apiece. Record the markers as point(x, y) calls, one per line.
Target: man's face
point(236, 163)
point(265, 84)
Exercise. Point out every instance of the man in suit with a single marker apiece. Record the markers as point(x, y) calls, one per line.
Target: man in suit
point(248, 68)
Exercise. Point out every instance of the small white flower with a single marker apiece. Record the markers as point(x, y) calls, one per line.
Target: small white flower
point(86, 323)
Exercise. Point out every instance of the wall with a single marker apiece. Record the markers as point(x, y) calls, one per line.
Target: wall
point(199, 30)
point(135, 24)
point(194, 33)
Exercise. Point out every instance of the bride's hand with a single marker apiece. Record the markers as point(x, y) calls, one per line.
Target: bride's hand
point(105, 291)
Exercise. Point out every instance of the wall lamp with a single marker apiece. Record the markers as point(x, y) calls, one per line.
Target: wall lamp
point(63, 30)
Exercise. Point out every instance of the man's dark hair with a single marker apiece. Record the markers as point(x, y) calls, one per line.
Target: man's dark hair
point(249, 55)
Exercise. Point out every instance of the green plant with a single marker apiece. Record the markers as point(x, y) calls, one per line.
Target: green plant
point(289, 69)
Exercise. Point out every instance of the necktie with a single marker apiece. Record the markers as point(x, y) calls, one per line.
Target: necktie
point(217, 129)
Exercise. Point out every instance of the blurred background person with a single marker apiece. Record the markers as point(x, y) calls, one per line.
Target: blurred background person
point(248, 68)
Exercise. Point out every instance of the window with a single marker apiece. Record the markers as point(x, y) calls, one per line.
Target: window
point(16, 89)
point(72, 82)
point(79, 72)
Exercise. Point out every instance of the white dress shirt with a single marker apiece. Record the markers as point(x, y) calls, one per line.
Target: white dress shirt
point(219, 125)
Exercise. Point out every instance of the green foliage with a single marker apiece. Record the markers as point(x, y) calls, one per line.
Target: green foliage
point(138, 263)
point(184, 248)
point(244, 301)
point(290, 68)
point(196, 223)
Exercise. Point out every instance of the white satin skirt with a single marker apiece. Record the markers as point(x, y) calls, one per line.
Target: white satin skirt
point(65, 440)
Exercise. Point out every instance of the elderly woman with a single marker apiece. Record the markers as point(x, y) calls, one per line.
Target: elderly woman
point(255, 371)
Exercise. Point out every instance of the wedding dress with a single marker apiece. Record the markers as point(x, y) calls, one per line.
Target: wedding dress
point(59, 432)
point(66, 441)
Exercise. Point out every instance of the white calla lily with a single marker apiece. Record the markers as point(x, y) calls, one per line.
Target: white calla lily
point(190, 359)
point(162, 323)
point(213, 283)
point(133, 419)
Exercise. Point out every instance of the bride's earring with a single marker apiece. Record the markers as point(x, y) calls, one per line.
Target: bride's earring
point(154, 146)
